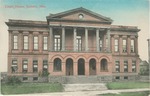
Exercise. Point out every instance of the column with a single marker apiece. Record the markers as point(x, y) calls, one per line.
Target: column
point(104, 43)
point(51, 39)
point(75, 69)
point(128, 45)
point(87, 69)
point(112, 43)
point(74, 38)
point(30, 41)
point(10, 41)
point(86, 39)
point(120, 44)
point(20, 42)
point(40, 42)
point(108, 37)
point(97, 40)
point(63, 39)
point(136, 44)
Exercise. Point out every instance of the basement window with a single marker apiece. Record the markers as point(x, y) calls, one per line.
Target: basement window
point(35, 78)
point(117, 77)
point(25, 78)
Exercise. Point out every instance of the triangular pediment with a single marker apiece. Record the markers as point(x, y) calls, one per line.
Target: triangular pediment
point(80, 14)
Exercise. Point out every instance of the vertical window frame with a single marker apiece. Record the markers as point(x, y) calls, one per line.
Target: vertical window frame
point(35, 69)
point(132, 46)
point(116, 45)
point(14, 66)
point(45, 43)
point(26, 43)
point(15, 42)
point(124, 46)
point(24, 70)
point(35, 43)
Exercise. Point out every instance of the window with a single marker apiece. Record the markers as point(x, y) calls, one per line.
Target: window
point(106, 44)
point(35, 78)
point(104, 65)
point(124, 46)
point(116, 45)
point(100, 43)
point(35, 66)
point(15, 42)
point(25, 39)
point(45, 42)
point(117, 66)
point(117, 77)
point(79, 43)
point(126, 77)
point(14, 67)
point(25, 78)
point(132, 45)
point(57, 64)
point(133, 66)
point(25, 66)
point(125, 66)
point(45, 65)
point(35, 43)
point(57, 43)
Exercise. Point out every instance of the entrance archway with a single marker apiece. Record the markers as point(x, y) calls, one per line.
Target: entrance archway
point(92, 67)
point(81, 67)
point(104, 65)
point(69, 67)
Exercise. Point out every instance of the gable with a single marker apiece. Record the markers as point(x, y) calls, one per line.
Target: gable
point(80, 14)
point(86, 16)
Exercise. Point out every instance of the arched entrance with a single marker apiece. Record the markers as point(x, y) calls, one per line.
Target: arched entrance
point(81, 67)
point(92, 67)
point(69, 67)
point(104, 65)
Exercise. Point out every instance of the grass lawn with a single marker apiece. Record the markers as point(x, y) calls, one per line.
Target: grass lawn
point(127, 85)
point(146, 93)
point(25, 88)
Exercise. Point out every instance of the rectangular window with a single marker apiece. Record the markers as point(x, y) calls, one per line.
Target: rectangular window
point(133, 66)
point(132, 45)
point(45, 39)
point(45, 65)
point(35, 78)
point(78, 43)
point(106, 43)
point(14, 66)
point(117, 77)
point(125, 66)
point(15, 42)
point(116, 45)
point(57, 43)
point(100, 43)
point(126, 77)
point(35, 43)
point(117, 66)
point(124, 45)
point(25, 78)
point(25, 66)
point(26, 42)
point(35, 66)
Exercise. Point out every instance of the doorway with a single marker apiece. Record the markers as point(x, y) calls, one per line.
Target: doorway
point(69, 67)
point(92, 66)
point(81, 67)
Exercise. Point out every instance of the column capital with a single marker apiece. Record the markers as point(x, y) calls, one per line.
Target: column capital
point(128, 36)
point(136, 36)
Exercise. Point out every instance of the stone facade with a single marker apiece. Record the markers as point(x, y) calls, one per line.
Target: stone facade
point(72, 43)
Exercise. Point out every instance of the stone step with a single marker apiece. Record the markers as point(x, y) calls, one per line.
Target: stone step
point(81, 79)
point(84, 87)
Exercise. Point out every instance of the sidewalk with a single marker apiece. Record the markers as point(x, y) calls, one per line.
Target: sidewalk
point(85, 93)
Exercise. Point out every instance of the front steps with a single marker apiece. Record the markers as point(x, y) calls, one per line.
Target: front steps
point(81, 79)
point(84, 87)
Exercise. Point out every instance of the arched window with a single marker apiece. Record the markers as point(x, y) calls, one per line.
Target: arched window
point(57, 64)
point(104, 65)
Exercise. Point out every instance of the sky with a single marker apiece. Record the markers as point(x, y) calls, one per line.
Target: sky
point(122, 12)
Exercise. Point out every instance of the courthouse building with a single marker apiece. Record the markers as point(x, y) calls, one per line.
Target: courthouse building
point(77, 42)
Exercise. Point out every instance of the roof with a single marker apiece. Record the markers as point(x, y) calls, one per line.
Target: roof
point(58, 15)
